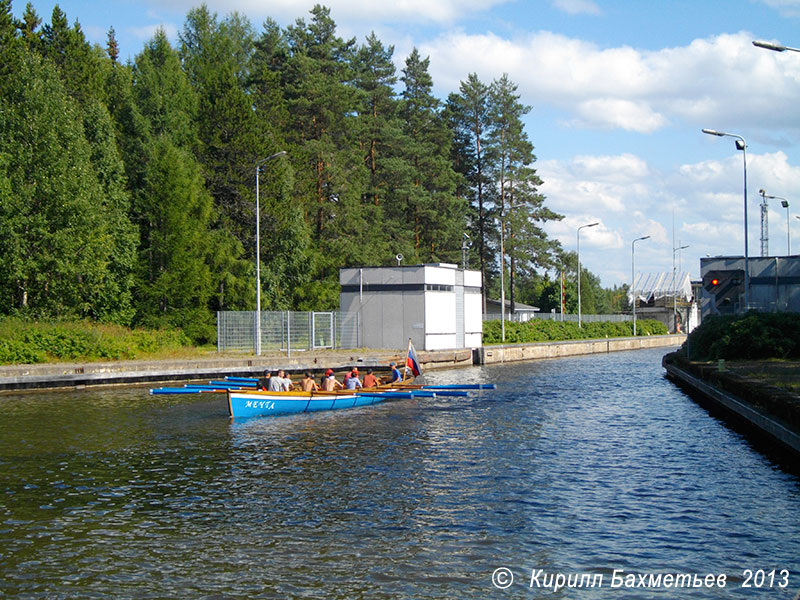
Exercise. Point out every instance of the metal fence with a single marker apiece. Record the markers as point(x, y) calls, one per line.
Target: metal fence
point(527, 316)
point(286, 331)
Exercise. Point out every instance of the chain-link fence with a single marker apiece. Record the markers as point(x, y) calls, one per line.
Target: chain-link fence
point(525, 316)
point(284, 331)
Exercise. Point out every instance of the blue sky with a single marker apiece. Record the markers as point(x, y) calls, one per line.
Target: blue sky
point(619, 91)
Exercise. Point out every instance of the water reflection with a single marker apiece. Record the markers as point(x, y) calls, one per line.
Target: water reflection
point(574, 465)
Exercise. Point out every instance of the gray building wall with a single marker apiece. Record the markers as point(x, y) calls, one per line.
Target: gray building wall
point(427, 303)
point(774, 284)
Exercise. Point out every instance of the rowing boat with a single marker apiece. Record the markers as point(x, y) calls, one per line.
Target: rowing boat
point(244, 401)
point(245, 404)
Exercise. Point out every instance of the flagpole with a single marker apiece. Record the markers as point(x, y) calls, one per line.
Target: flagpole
point(408, 354)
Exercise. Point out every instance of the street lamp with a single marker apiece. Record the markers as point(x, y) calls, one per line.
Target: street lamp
point(258, 250)
point(785, 204)
point(633, 277)
point(741, 144)
point(775, 47)
point(674, 289)
point(579, 269)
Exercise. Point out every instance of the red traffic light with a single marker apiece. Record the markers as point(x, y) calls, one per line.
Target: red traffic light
point(715, 282)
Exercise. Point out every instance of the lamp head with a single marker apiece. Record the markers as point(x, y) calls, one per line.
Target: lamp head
point(740, 145)
point(784, 204)
point(713, 132)
point(769, 46)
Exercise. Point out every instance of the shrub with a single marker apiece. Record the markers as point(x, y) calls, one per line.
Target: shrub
point(540, 330)
point(750, 336)
point(25, 342)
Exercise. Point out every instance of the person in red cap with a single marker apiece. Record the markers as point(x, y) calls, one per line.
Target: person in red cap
point(353, 382)
point(331, 384)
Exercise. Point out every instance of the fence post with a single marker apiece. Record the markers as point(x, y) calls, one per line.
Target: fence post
point(288, 334)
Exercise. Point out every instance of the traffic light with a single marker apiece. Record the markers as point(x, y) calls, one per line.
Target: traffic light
point(724, 288)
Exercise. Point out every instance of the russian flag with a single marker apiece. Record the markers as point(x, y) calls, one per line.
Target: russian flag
point(411, 360)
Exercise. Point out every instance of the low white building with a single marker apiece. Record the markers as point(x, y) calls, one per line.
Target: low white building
point(438, 306)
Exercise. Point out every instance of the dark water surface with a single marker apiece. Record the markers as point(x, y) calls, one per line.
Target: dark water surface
point(572, 466)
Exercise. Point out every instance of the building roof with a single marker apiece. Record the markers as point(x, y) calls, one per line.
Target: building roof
point(653, 286)
point(518, 306)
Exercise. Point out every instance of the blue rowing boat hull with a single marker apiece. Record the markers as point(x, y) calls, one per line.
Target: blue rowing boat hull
point(242, 405)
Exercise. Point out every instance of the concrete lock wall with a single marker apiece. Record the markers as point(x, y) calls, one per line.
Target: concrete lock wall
point(515, 352)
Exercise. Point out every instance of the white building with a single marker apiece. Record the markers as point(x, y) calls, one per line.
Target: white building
point(437, 306)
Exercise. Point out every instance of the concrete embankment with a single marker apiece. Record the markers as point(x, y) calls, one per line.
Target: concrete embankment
point(515, 352)
point(770, 411)
point(80, 375)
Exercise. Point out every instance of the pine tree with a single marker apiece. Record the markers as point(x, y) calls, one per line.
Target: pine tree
point(30, 23)
point(435, 212)
point(10, 46)
point(113, 301)
point(218, 57)
point(521, 207)
point(381, 142)
point(215, 56)
point(181, 273)
point(80, 64)
point(468, 116)
point(112, 48)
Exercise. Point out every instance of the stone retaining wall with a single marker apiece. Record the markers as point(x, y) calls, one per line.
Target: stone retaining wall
point(78, 375)
point(771, 411)
point(515, 352)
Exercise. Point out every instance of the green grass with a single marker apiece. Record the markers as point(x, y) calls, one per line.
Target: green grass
point(29, 342)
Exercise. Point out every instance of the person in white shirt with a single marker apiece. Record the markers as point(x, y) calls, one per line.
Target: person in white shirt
point(286, 383)
point(353, 382)
point(275, 382)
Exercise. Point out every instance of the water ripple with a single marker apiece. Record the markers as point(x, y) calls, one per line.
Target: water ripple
point(581, 465)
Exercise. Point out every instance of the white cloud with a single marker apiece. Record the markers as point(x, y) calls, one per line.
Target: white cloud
point(146, 33)
point(443, 12)
point(630, 199)
point(577, 7)
point(613, 113)
point(788, 8)
point(625, 88)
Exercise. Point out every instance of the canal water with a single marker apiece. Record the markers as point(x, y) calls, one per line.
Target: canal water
point(595, 469)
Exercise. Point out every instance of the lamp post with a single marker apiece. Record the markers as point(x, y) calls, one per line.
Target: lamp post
point(579, 269)
point(785, 204)
point(258, 250)
point(741, 144)
point(674, 289)
point(633, 277)
point(775, 47)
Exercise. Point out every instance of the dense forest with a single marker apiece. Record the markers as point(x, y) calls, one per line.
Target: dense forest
point(128, 191)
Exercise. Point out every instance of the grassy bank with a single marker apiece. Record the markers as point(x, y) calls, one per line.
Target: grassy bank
point(753, 336)
point(539, 330)
point(24, 342)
